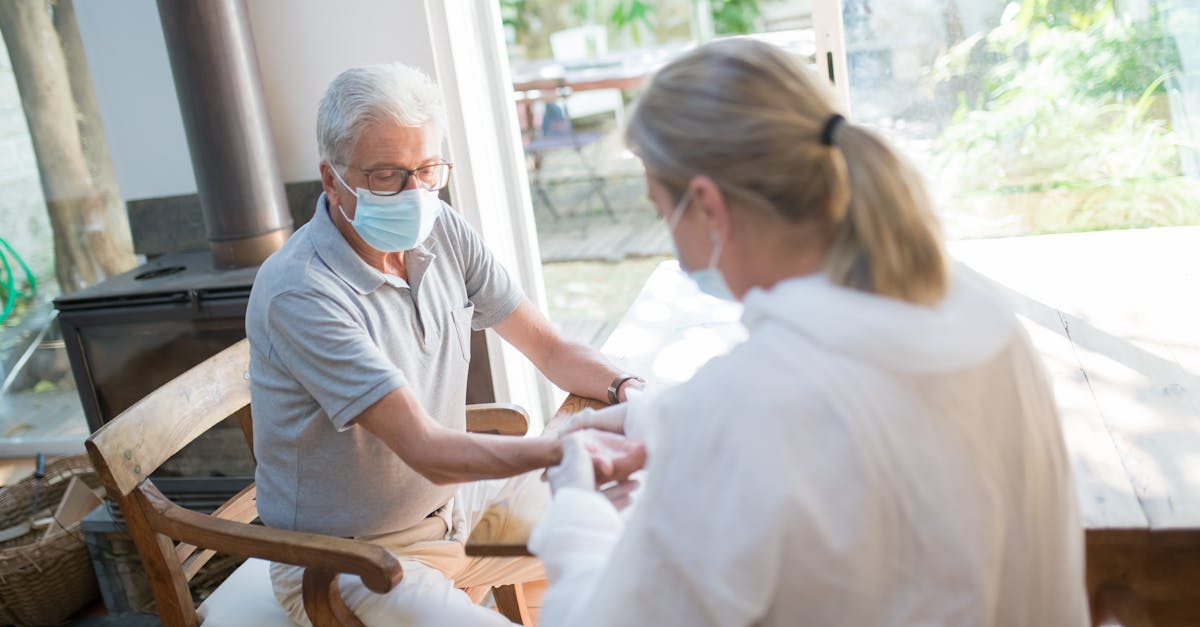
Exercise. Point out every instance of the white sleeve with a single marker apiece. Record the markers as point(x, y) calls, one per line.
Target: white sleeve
point(574, 542)
point(702, 547)
point(642, 417)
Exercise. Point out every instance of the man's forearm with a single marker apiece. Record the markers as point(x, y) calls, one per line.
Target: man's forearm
point(571, 366)
point(448, 456)
point(581, 370)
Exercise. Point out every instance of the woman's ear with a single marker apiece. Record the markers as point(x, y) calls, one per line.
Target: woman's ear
point(709, 198)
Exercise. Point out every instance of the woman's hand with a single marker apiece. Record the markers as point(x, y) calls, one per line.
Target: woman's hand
point(611, 419)
point(592, 458)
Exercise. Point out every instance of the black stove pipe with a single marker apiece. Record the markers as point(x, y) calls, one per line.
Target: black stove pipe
point(220, 95)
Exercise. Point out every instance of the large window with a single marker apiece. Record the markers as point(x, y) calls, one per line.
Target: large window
point(1036, 116)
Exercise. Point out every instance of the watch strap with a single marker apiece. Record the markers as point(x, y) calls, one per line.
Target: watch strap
point(614, 389)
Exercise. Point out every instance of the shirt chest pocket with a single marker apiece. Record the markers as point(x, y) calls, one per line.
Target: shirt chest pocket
point(461, 321)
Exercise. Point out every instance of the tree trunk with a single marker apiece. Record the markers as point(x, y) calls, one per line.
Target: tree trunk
point(95, 147)
point(952, 19)
point(91, 230)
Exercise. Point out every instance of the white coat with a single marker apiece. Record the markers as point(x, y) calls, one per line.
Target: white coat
point(856, 461)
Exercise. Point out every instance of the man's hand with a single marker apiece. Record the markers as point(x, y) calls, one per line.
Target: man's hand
point(614, 457)
point(592, 458)
point(635, 385)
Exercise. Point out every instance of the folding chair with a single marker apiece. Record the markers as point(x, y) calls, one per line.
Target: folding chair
point(556, 132)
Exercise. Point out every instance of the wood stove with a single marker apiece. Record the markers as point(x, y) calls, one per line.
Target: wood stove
point(131, 334)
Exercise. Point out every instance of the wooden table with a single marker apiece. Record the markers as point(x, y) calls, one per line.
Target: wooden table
point(625, 71)
point(628, 70)
point(1116, 318)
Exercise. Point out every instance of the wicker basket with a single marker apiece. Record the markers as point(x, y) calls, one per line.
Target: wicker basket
point(44, 582)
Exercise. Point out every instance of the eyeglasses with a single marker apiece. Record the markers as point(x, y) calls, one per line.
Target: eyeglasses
point(392, 181)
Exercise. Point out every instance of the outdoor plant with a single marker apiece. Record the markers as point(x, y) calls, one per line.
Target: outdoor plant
point(1063, 116)
point(633, 16)
point(735, 17)
point(12, 295)
point(514, 14)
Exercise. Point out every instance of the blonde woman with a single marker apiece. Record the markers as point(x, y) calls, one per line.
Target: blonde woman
point(883, 449)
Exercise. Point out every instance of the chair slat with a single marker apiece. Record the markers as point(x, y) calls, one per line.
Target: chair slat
point(242, 508)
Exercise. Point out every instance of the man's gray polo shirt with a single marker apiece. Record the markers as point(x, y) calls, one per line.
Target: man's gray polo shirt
point(330, 336)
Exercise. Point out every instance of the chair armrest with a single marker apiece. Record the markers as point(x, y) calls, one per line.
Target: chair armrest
point(498, 418)
point(575, 404)
point(379, 570)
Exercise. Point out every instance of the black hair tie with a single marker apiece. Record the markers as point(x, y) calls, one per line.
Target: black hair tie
point(830, 125)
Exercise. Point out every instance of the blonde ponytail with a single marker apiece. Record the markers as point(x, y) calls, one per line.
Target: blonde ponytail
point(889, 241)
point(751, 118)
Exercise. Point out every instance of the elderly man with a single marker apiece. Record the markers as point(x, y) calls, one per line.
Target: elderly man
point(359, 333)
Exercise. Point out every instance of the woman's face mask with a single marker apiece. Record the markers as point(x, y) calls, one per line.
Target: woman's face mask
point(709, 280)
point(392, 223)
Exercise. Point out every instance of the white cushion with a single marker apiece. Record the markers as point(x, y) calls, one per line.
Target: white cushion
point(244, 598)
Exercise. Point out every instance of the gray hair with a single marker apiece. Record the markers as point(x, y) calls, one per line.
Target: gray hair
point(372, 93)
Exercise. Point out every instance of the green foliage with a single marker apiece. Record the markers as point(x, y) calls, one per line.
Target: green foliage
point(735, 17)
point(634, 15)
point(1065, 103)
point(1078, 14)
point(513, 13)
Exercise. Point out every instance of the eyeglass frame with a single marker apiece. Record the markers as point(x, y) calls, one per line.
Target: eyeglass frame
point(407, 174)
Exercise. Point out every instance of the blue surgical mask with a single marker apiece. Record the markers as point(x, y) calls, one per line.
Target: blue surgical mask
point(709, 280)
point(393, 223)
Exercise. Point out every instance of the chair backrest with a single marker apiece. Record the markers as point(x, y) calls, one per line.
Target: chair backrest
point(126, 450)
point(552, 95)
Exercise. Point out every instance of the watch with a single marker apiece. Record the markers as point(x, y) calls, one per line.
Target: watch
point(614, 389)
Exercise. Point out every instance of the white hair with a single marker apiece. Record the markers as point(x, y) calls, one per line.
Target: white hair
point(372, 93)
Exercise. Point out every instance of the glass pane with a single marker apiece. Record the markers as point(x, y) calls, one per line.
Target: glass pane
point(578, 65)
point(1036, 116)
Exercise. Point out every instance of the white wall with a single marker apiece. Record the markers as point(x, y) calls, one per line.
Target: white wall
point(304, 44)
point(135, 93)
point(301, 45)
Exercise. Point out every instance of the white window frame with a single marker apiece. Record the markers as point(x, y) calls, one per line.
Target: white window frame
point(831, 48)
point(490, 185)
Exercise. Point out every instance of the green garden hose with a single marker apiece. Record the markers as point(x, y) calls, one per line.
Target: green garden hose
point(9, 282)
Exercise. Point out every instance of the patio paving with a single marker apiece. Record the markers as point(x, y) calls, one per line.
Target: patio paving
point(583, 230)
point(594, 263)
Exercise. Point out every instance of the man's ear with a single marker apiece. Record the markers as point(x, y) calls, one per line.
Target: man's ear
point(712, 204)
point(328, 182)
point(335, 193)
